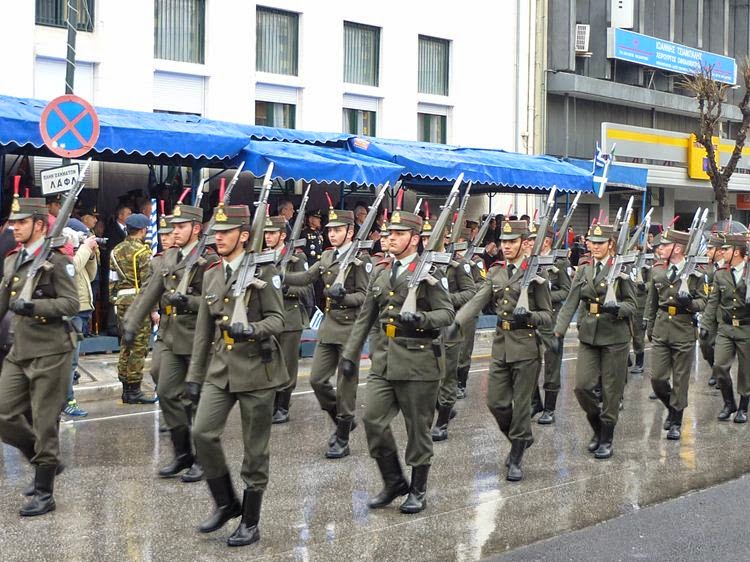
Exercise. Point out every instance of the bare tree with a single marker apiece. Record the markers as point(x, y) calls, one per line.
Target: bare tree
point(711, 96)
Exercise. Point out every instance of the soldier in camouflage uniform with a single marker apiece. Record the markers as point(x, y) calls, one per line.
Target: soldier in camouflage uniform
point(129, 271)
point(36, 370)
point(727, 319)
point(295, 316)
point(406, 365)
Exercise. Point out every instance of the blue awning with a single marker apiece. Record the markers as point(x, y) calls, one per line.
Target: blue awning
point(427, 164)
point(630, 177)
point(258, 132)
point(317, 164)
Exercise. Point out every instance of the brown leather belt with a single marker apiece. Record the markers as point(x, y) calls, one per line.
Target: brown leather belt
point(393, 331)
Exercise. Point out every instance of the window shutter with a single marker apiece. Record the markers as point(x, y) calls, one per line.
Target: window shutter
point(180, 93)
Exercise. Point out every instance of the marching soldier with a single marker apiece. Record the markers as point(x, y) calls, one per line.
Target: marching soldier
point(516, 355)
point(295, 316)
point(36, 370)
point(715, 262)
point(406, 365)
point(228, 367)
point(637, 323)
point(671, 327)
point(559, 282)
point(727, 318)
point(341, 311)
point(604, 335)
point(460, 288)
point(129, 271)
point(182, 310)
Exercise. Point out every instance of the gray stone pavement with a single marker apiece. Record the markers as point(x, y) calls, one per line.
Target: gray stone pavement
point(110, 505)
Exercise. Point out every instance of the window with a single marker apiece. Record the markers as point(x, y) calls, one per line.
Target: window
point(179, 93)
point(271, 114)
point(433, 65)
point(361, 54)
point(276, 41)
point(54, 13)
point(179, 30)
point(359, 122)
point(432, 128)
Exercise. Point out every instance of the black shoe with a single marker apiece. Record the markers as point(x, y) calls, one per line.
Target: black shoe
point(653, 396)
point(536, 403)
point(440, 431)
point(668, 422)
point(281, 411)
point(134, 395)
point(227, 505)
point(517, 447)
point(29, 490)
point(637, 368)
point(550, 401)
point(460, 393)
point(605, 449)
point(416, 501)
point(280, 416)
point(44, 484)
point(183, 456)
point(675, 430)
point(394, 483)
point(711, 381)
point(340, 447)
point(247, 531)
point(463, 377)
point(741, 415)
point(596, 425)
point(730, 406)
point(193, 474)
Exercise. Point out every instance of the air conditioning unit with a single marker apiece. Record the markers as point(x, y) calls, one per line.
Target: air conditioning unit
point(583, 31)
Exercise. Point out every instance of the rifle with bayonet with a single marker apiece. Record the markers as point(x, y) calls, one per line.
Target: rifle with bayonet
point(473, 246)
point(562, 234)
point(535, 260)
point(621, 257)
point(432, 255)
point(54, 239)
point(360, 242)
point(251, 259)
point(199, 193)
point(643, 256)
point(454, 245)
point(418, 206)
point(693, 256)
point(191, 260)
point(294, 241)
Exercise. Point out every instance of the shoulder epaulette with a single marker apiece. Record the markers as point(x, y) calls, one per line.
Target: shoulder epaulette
point(13, 251)
point(498, 263)
point(214, 264)
point(660, 263)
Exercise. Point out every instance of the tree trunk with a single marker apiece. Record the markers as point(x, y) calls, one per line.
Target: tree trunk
point(721, 193)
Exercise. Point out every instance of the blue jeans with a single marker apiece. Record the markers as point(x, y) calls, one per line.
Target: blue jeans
point(80, 322)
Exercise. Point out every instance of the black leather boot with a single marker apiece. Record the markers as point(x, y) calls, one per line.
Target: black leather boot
point(394, 483)
point(227, 505)
point(182, 453)
point(29, 490)
point(668, 422)
point(340, 447)
point(333, 414)
point(730, 406)
point(281, 412)
point(517, 447)
point(44, 484)
point(536, 402)
point(741, 415)
point(247, 532)
point(675, 430)
point(134, 395)
point(416, 501)
point(550, 401)
point(440, 431)
point(463, 377)
point(193, 474)
point(596, 424)
point(605, 449)
point(637, 368)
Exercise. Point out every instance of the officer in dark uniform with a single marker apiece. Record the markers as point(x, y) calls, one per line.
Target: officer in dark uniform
point(313, 235)
point(406, 368)
point(516, 354)
point(36, 370)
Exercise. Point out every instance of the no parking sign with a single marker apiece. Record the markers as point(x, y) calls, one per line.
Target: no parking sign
point(69, 126)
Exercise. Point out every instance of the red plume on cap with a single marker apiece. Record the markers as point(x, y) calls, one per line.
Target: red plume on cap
point(427, 210)
point(222, 187)
point(595, 221)
point(385, 215)
point(674, 220)
point(536, 214)
point(184, 194)
point(161, 205)
point(399, 199)
point(16, 185)
point(330, 201)
point(510, 210)
point(26, 191)
point(601, 216)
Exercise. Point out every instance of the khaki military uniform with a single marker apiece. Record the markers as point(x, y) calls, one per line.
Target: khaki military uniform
point(559, 282)
point(159, 346)
point(248, 372)
point(36, 370)
point(707, 344)
point(130, 268)
point(466, 349)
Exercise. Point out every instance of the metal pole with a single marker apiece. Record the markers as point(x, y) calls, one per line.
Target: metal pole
point(70, 57)
point(2, 177)
point(195, 180)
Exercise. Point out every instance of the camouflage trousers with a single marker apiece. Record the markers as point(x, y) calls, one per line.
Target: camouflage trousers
point(131, 359)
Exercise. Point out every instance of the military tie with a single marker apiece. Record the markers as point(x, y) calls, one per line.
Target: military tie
point(394, 272)
point(179, 255)
point(511, 270)
point(672, 273)
point(734, 275)
point(228, 274)
point(598, 268)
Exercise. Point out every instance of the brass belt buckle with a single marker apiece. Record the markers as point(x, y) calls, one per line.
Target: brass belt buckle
point(390, 331)
point(736, 323)
point(672, 310)
point(594, 308)
point(168, 310)
point(505, 325)
point(229, 340)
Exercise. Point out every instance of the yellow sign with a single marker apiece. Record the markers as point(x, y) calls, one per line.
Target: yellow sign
point(698, 158)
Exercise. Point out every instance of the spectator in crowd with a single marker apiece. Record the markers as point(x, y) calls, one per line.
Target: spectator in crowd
point(360, 214)
point(53, 204)
point(286, 210)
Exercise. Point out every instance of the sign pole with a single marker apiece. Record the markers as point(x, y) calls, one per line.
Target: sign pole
point(70, 58)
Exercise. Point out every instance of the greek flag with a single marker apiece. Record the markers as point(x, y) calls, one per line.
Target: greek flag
point(152, 237)
point(602, 160)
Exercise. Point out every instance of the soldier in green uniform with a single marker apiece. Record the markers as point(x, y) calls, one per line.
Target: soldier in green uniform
point(406, 365)
point(228, 367)
point(295, 315)
point(637, 323)
point(460, 288)
point(604, 335)
point(341, 310)
point(671, 328)
point(559, 282)
point(516, 355)
point(727, 319)
point(36, 369)
point(182, 310)
point(129, 271)
point(715, 262)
